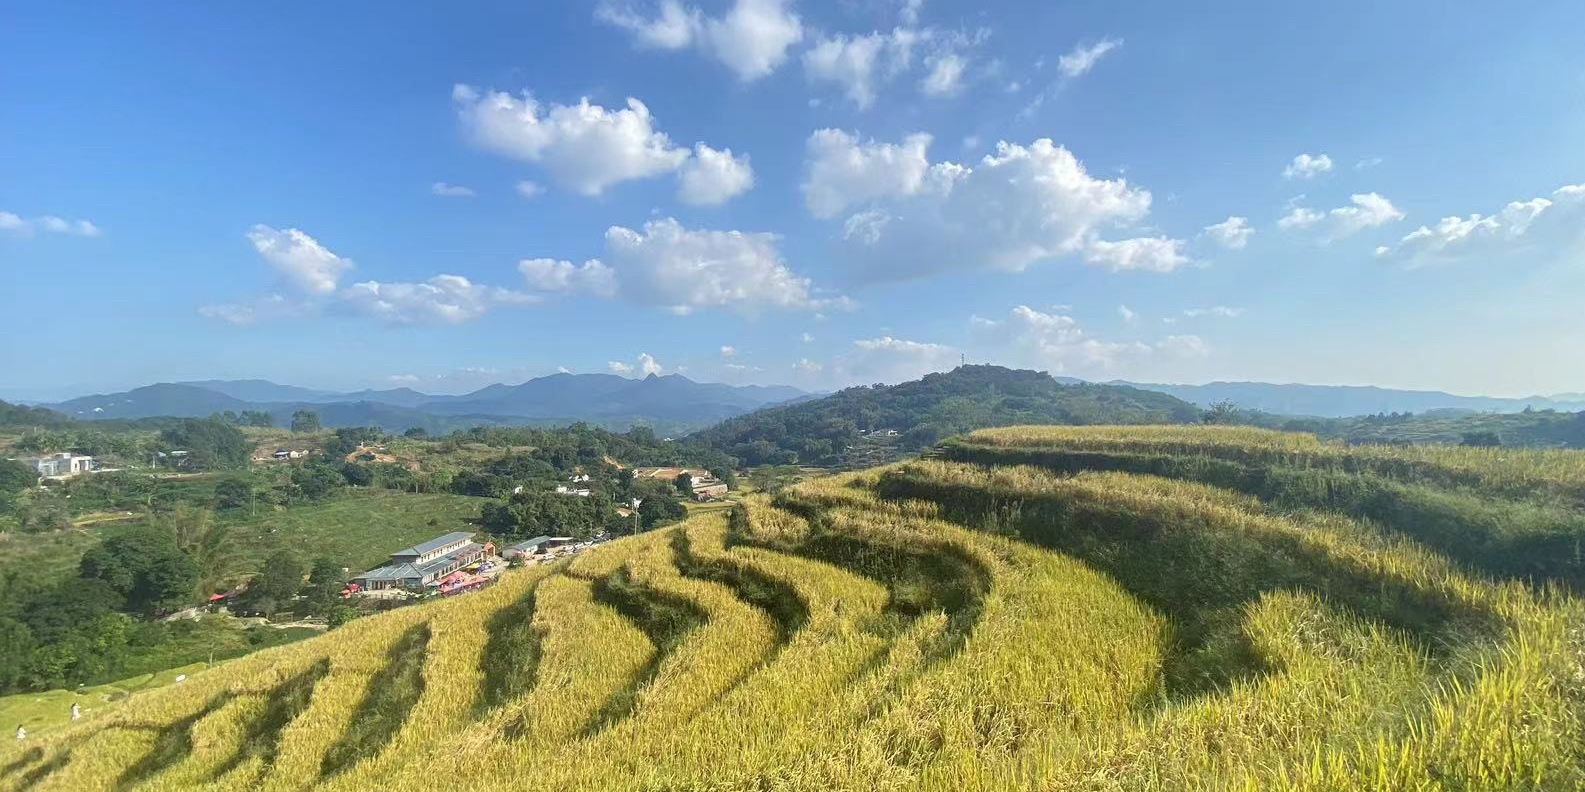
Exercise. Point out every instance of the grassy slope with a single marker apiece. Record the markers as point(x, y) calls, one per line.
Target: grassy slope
point(911, 628)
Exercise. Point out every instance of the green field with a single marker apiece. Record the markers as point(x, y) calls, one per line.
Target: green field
point(1041, 608)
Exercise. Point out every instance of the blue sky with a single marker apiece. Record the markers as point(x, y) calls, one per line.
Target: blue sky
point(366, 195)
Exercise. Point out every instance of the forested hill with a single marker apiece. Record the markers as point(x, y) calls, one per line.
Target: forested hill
point(922, 412)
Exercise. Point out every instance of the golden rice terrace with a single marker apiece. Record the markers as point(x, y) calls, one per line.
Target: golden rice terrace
point(1039, 608)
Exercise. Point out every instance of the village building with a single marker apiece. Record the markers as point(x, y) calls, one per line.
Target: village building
point(61, 465)
point(423, 564)
point(527, 547)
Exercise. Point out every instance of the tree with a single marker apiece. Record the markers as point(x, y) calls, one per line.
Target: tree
point(416, 433)
point(274, 587)
point(38, 511)
point(260, 418)
point(1220, 412)
point(657, 510)
point(684, 482)
point(305, 421)
point(212, 546)
point(356, 475)
point(323, 593)
point(234, 493)
point(316, 480)
point(14, 478)
point(145, 566)
point(210, 444)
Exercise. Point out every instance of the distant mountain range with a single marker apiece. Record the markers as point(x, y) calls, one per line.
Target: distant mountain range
point(671, 403)
point(1341, 401)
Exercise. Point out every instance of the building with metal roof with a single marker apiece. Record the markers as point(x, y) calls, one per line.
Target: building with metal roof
point(422, 564)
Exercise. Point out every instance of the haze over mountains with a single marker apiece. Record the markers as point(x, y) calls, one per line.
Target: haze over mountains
point(1342, 401)
point(670, 403)
point(676, 404)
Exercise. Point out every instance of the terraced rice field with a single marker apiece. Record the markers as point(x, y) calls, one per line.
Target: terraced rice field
point(1040, 608)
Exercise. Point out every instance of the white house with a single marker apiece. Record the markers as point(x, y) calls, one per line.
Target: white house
point(61, 465)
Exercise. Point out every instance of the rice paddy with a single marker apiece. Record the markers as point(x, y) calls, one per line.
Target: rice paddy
point(1048, 608)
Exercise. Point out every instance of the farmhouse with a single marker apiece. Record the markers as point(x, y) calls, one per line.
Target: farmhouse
point(423, 564)
point(527, 547)
point(708, 487)
point(62, 465)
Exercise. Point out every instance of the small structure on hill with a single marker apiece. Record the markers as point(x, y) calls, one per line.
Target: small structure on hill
point(527, 547)
point(63, 465)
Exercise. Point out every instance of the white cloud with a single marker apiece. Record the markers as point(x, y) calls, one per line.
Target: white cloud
point(1220, 311)
point(861, 63)
point(1021, 205)
point(551, 275)
point(946, 74)
point(684, 270)
point(1148, 254)
point(1365, 210)
point(443, 299)
point(1126, 313)
point(1084, 57)
point(1367, 163)
point(711, 177)
point(18, 226)
point(909, 13)
point(1232, 233)
point(404, 379)
point(839, 171)
point(584, 146)
point(807, 366)
point(1305, 166)
point(1053, 341)
point(588, 148)
point(299, 258)
point(445, 190)
point(806, 338)
point(751, 38)
point(888, 359)
point(645, 366)
point(1520, 223)
point(728, 351)
point(618, 367)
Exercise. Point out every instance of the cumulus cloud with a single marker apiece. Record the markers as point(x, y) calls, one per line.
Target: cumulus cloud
point(1021, 205)
point(443, 299)
point(551, 275)
point(888, 359)
point(584, 146)
point(299, 258)
point(1365, 210)
point(711, 177)
point(860, 63)
point(645, 366)
point(1515, 226)
point(1215, 310)
point(1084, 57)
point(728, 351)
point(751, 38)
point(1146, 254)
point(1190, 346)
point(685, 270)
point(1232, 233)
point(1305, 166)
point(445, 190)
point(807, 366)
point(18, 226)
point(840, 170)
point(1126, 313)
point(587, 147)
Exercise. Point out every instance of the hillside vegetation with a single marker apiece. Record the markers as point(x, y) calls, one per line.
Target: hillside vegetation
point(1106, 608)
point(833, 430)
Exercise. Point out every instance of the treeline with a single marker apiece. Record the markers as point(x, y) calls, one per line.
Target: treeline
point(925, 411)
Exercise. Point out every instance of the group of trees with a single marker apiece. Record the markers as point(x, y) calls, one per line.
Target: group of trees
point(255, 418)
point(927, 410)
